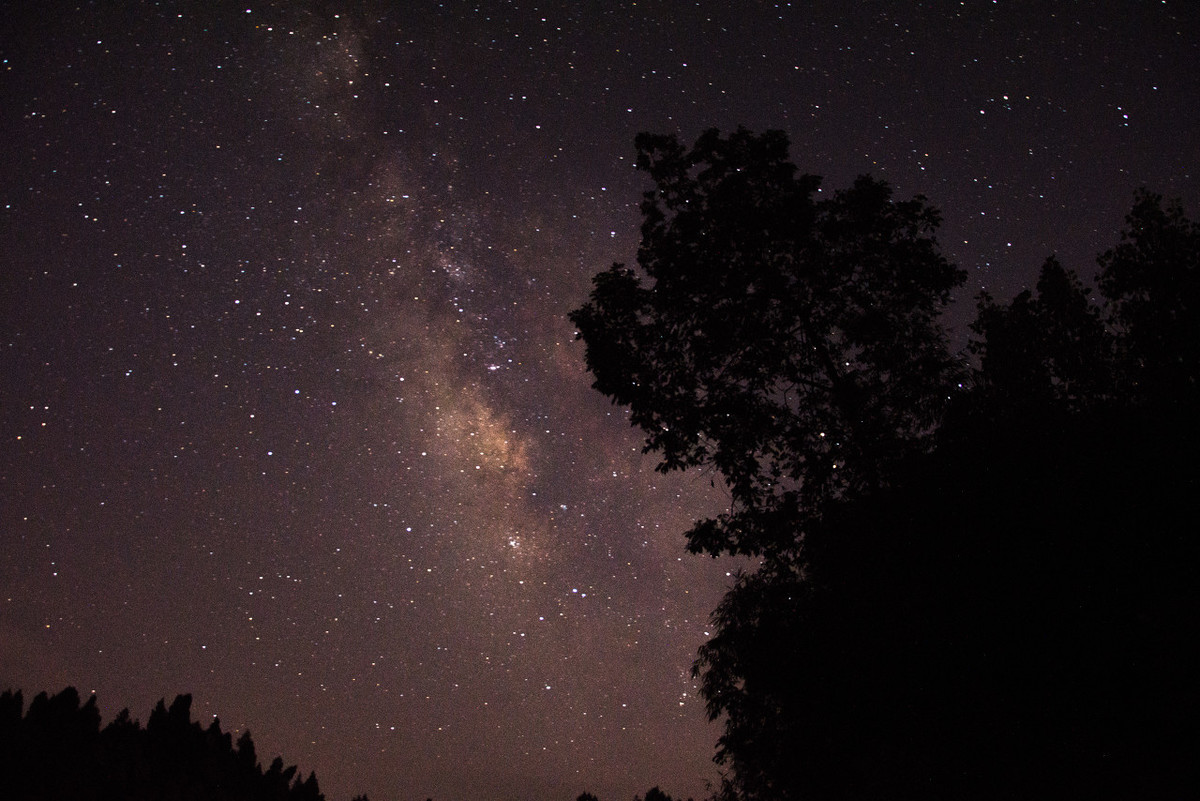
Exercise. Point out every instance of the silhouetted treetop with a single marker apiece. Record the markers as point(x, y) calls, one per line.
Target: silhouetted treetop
point(789, 342)
point(1151, 282)
point(1043, 349)
point(1055, 349)
point(654, 794)
point(57, 750)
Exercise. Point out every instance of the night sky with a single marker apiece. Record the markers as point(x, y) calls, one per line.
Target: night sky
point(292, 415)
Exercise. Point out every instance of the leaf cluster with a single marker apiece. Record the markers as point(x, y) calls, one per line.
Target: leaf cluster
point(788, 341)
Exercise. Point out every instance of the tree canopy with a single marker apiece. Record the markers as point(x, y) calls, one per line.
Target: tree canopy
point(973, 583)
point(788, 341)
point(1043, 349)
point(1151, 285)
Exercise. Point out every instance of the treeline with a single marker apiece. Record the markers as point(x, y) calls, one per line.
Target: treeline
point(57, 749)
point(653, 794)
point(978, 574)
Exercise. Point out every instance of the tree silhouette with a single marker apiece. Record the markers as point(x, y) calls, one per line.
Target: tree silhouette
point(1043, 350)
point(987, 601)
point(57, 750)
point(654, 794)
point(791, 344)
point(1151, 281)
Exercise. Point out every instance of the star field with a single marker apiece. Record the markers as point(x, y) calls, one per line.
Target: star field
point(292, 415)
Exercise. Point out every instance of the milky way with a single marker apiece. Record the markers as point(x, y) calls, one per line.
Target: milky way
point(293, 417)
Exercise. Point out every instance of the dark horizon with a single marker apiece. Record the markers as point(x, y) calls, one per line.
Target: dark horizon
point(294, 420)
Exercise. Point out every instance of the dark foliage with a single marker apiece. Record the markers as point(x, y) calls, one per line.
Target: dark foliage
point(1043, 350)
point(653, 794)
point(57, 750)
point(1151, 282)
point(994, 600)
point(789, 343)
point(1011, 620)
